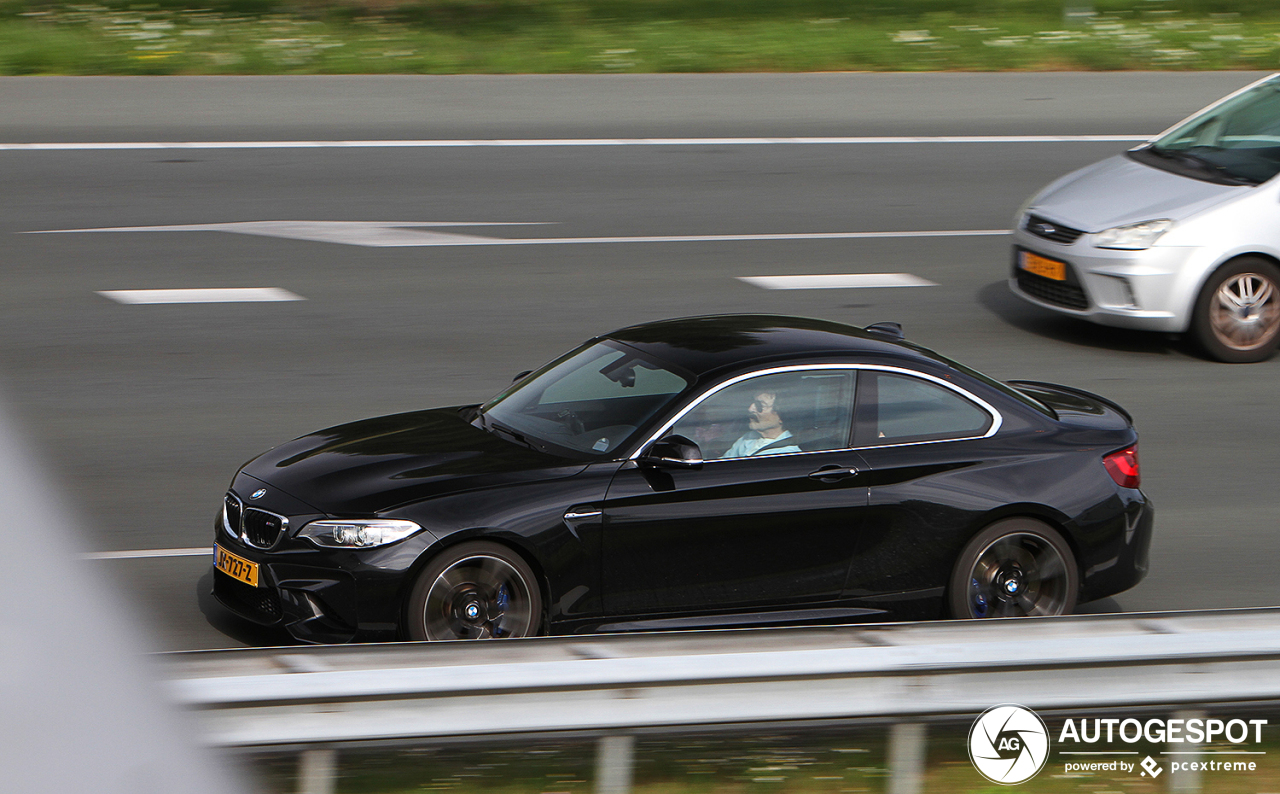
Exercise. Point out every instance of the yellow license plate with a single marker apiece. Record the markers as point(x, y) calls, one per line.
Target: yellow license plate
point(236, 567)
point(1042, 266)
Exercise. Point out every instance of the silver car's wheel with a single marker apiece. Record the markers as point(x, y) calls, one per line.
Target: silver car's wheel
point(1017, 567)
point(1238, 314)
point(475, 591)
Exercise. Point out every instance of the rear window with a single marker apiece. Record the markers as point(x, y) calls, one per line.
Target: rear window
point(897, 409)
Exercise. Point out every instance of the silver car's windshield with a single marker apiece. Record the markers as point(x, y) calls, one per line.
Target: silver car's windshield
point(1237, 142)
point(588, 401)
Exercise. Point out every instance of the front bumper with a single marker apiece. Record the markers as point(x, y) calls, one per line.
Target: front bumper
point(321, 595)
point(1144, 290)
point(313, 604)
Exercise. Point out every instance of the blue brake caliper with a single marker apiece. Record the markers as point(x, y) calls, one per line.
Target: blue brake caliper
point(504, 598)
point(979, 600)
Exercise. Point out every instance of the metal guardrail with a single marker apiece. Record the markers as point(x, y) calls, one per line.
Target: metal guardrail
point(260, 699)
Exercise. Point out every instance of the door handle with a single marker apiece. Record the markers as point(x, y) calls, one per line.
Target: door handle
point(833, 473)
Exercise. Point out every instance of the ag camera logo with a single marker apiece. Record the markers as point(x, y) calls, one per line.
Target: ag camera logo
point(1008, 744)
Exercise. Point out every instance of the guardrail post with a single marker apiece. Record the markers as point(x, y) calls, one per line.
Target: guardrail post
point(615, 757)
point(1186, 782)
point(906, 758)
point(317, 771)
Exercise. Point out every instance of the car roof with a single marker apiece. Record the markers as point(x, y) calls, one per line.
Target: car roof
point(701, 345)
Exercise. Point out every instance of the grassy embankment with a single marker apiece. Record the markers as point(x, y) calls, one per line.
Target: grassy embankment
point(611, 36)
point(830, 761)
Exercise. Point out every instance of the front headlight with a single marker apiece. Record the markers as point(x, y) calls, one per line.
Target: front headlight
point(1133, 237)
point(357, 533)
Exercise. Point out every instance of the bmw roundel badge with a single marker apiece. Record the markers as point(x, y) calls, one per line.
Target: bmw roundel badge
point(258, 494)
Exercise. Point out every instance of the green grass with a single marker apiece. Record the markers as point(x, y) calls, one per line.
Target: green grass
point(714, 764)
point(610, 36)
point(832, 760)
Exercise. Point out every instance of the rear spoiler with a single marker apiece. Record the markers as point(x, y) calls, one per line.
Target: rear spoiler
point(1081, 392)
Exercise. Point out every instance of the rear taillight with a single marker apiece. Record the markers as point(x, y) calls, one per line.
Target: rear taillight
point(1123, 467)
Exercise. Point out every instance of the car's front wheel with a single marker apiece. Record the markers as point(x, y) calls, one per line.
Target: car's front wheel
point(1014, 568)
point(472, 591)
point(1237, 316)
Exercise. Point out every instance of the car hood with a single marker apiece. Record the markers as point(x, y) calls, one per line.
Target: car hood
point(1118, 191)
point(375, 465)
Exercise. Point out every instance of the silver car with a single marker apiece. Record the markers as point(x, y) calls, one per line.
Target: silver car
point(1181, 234)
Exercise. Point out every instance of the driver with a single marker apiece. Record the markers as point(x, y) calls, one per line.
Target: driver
point(766, 430)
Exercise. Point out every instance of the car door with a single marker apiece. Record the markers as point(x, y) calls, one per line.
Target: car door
point(770, 519)
point(922, 439)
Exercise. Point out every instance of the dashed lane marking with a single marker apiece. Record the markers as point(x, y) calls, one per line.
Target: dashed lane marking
point(838, 281)
point(223, 295)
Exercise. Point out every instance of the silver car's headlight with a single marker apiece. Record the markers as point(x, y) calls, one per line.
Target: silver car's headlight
point(357, 533)
point(1134, 236)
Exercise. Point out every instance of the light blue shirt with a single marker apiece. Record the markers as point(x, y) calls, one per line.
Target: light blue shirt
point(752, 442)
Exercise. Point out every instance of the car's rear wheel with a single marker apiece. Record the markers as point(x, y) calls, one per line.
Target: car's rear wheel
point(1237, 316)
point(472, 591)
point(1014, 568)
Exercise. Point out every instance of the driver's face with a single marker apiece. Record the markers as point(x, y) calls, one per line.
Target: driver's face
point(763, 417)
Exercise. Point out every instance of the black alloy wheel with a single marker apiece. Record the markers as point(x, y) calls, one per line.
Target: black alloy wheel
point(1237, 316)
point(1016, 567)
point(475, 591)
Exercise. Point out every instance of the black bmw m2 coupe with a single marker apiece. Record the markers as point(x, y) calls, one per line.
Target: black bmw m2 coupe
point(736, 470)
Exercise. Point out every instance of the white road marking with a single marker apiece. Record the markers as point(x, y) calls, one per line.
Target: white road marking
point(374, 234)
point(392, 234)
point(144, 554)
point(838, 281)
point(228, 295)
point(524, 142)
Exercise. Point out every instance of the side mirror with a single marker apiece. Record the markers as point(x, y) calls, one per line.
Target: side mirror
point(521, 376)
point(673, 452)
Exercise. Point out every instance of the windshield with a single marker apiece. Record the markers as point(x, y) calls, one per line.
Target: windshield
point(1235, 143)
point(589, 401)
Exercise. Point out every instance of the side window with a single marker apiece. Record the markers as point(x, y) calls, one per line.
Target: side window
point(772, 414)
point(896, 409)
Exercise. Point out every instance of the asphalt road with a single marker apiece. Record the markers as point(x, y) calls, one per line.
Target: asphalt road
point(143, 412)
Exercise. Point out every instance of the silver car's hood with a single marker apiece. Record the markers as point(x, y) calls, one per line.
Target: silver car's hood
point(1118, 190)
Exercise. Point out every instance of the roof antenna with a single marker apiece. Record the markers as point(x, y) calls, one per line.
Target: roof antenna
point(887, 330)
